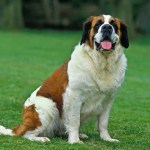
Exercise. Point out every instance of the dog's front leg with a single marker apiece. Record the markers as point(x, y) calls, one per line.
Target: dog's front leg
point(103, 121)
point(72, 107)
point(74, 123)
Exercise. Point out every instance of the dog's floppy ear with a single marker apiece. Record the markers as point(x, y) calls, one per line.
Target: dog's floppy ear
point(124, 35)
point(86, 29)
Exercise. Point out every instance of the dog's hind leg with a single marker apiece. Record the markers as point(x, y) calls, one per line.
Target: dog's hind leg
point(33, 135)
point(40, 119)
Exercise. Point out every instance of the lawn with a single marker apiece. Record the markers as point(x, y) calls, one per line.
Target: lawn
point(27, 58)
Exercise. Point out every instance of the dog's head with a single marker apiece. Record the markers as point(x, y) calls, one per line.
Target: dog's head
point(104, 33)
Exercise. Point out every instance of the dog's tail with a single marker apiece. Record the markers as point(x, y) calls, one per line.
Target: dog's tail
point(4, 131)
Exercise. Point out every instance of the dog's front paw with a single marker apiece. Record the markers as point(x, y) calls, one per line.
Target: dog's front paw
point(106, 137)
point(109, 139)
point(75, 141)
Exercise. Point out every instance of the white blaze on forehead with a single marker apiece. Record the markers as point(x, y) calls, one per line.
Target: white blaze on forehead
point(106, 18)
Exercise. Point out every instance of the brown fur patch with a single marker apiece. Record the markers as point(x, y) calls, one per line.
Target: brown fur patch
point(118, 25)
point(92, 33)
point(30, 121)
point(96, 19)
point(55, 86)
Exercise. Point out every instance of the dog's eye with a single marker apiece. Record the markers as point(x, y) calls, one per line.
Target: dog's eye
point(97, 25)
point(113, 23)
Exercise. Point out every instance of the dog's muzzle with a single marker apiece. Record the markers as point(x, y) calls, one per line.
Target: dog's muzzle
point(106, 43)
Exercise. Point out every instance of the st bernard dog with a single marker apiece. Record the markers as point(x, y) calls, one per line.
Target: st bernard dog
point(82, 88)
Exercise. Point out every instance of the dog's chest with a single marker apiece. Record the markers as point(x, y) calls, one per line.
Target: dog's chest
point(93, 98)
point(96, 88)
point(93, 80)
point(92, 106)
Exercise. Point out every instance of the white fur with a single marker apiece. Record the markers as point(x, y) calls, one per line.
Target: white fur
point(93, 83)
point(5, 131)
point(106, 18)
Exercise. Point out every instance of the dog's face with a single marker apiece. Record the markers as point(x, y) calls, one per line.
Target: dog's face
point(104, 33)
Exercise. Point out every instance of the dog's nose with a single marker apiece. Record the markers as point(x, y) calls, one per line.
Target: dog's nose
point(106, 28)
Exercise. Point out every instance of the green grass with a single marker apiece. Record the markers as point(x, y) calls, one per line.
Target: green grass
point(27, 58)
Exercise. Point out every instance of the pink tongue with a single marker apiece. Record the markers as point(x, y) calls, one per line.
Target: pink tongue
point(107, 45)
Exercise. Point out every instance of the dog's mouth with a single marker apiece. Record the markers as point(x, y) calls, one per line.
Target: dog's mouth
point(105, 46)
